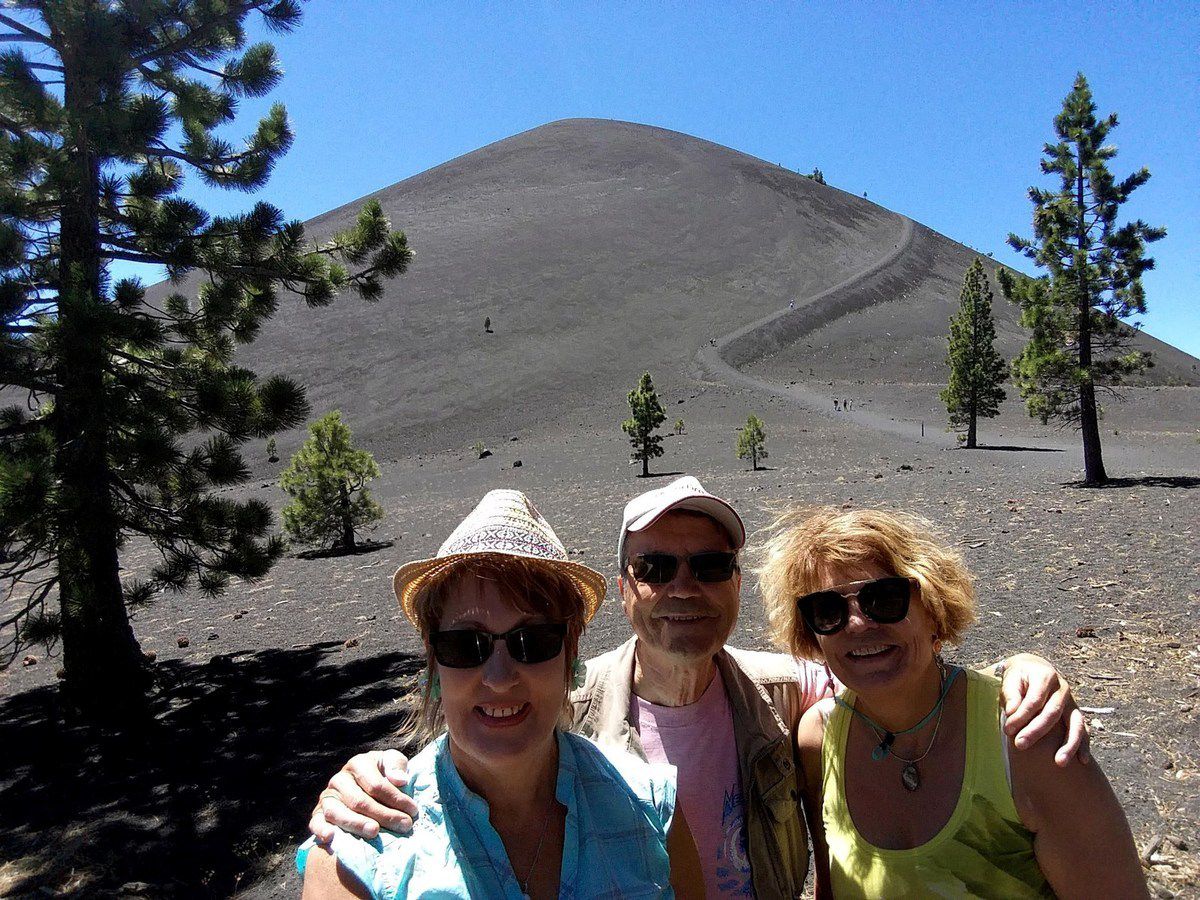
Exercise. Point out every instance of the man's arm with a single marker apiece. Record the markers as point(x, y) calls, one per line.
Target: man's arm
point(1036, 699)
point(364, 796)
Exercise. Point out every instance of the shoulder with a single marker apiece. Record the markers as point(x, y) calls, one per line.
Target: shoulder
point(810, 734)
point(652, 785)
point(763, 667)
point(597, 670)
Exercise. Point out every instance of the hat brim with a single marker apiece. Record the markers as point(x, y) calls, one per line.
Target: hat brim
point(414, 577)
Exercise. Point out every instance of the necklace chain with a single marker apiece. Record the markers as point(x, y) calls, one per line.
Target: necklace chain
point(538, 852)
point(910, 775)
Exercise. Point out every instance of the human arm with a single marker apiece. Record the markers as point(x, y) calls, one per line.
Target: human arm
point(686, 878)
point(364, 796)
point(324, 879)
point(1036, 697)
point(810, 734)
point(1082, 839)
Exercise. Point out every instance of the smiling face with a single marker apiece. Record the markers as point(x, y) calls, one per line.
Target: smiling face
point(685, 619)
point(867, 655)
point(502, 712)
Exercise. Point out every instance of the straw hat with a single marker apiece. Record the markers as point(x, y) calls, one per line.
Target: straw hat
point(505, 523)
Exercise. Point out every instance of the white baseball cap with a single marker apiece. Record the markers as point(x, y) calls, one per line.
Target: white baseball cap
point(683, 493)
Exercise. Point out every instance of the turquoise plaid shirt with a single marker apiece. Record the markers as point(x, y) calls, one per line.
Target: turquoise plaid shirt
point(618, 811)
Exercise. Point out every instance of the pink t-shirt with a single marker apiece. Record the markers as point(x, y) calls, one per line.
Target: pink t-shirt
point(698, 740)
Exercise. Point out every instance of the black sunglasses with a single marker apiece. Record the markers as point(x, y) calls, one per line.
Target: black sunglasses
point(466, 648)
point(660, 568)
point(884, 600)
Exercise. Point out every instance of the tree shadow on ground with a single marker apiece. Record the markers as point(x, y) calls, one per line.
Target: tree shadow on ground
point(661, 475)
point(1015, 449)
point(358, 549)
point(1185, 482)
point(213, 794)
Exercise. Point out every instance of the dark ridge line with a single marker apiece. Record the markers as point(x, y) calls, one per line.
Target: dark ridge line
point(772, 333)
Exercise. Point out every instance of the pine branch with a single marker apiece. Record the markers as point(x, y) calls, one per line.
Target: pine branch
point(24, 32)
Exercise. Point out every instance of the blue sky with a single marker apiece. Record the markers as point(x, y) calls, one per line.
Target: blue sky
point(936, 110)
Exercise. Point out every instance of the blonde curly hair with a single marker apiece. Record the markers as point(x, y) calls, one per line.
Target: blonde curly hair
point(806, 544)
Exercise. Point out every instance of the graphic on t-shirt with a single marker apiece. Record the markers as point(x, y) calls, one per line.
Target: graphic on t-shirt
point(733, 860)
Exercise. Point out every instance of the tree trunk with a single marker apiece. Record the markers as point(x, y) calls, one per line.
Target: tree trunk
point(754, 460)
point(347, 542)
point(645, 462)
point(1089, 419)
point(1089, 424)
point(972, 416)
point(105, 671)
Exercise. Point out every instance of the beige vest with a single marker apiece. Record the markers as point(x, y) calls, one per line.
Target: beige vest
point(764, 696)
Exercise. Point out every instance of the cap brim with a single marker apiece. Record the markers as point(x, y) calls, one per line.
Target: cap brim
point(414, 577)
point(718, 510)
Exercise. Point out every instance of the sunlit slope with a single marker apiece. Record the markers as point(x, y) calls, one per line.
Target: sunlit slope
point(599, 249)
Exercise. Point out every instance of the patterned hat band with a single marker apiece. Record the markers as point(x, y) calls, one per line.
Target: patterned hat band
point(504, 524)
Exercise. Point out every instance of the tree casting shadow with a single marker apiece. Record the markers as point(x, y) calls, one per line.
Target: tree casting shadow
point(214, 794)
point(359, 548)
point(1187, 482)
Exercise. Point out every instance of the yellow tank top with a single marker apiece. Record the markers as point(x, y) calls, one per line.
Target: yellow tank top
point(982, 851)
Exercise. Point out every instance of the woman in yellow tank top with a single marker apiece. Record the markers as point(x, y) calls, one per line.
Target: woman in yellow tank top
point(911, 788)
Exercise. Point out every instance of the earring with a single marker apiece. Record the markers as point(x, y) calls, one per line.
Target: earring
point(434, 685)
point(937, 645)
point(578, 674)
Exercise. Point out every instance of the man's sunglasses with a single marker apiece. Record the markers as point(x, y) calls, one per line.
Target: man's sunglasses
point(660, 568)
point(466, 648)
point(884, 600)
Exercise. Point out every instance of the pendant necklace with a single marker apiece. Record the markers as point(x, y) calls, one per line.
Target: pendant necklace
point(910, 775)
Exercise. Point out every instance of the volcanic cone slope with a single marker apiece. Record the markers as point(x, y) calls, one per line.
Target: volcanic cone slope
point(600, 249)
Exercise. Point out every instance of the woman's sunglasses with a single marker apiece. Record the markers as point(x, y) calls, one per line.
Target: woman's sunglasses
point(466, 648)
point(884, 600)
point(660, 568)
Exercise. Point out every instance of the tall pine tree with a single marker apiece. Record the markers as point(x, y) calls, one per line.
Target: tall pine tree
point(975, 389)
point(647, 416)
point(1093, 278)
point(133, 410)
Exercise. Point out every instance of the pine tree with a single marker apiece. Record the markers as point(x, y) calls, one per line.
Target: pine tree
point(648, 415)
point(104, 106)
point(977, 371)
point(752, 441)
point(326, 480)
point(1093, 278)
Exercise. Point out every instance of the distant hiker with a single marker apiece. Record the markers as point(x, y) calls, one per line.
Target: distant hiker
point(836, 408)
point(791, 304)
point(674, 693)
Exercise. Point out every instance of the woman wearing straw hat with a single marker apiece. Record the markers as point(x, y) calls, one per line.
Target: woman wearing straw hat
point(511, 805)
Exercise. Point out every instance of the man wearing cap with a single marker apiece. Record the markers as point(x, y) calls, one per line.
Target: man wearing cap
point(675, 693)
